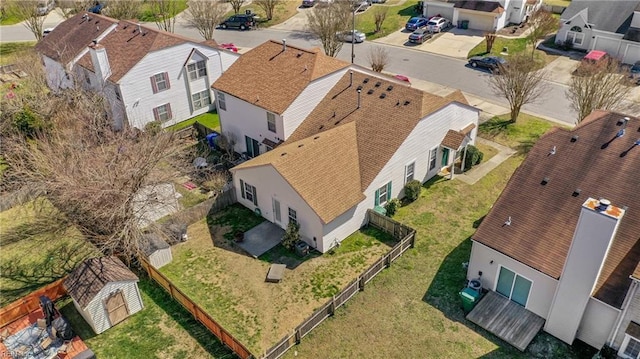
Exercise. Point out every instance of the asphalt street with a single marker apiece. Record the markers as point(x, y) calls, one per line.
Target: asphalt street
point(415, 64)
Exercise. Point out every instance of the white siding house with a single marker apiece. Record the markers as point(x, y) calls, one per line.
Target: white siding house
point(482, 15)
point(104, 291)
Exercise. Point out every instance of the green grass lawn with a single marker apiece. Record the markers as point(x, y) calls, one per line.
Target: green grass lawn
point(209, 119)
point(521, 135)
point(397, 16)
point(10, 17)
point(558, 2)
point(146, 10)
point(514, 46)
point(412, 310)
point(163, 329)
point(9, 49)
point(30, 255)
point(283, 11)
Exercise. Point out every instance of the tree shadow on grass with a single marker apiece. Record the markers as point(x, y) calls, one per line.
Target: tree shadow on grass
point(494, 127)
point(408, 11)
point(443, 295)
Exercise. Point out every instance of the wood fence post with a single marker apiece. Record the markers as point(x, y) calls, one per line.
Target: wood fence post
point(361, 283)
point(387, 259)
point(413, 239)
point(298, 336)
point(332, 307)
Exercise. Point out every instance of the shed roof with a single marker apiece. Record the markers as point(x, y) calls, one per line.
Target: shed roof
point(589, 161)
point(86, 281)
point(272, 76)
point(152, 243)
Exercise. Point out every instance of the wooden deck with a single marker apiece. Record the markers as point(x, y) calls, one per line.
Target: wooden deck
point(506, 319)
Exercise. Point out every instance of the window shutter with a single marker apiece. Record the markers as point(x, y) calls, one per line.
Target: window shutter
point(156, 116)
point(166, 78)
point(255, 196)
point(388, 191)
point(242, 188)
point(169, 114)
point(377, 198)
point(153, 84)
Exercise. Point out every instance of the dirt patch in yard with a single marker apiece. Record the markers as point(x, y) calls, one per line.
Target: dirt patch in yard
point(231, 287)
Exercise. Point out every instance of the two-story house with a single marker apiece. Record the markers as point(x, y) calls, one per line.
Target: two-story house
point(489, 15)
point(145, 74)
point(356, 149)
point(611, 26)
point(270, 90)
point(563, 239)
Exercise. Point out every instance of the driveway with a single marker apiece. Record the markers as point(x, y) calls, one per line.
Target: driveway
point(560, 69)
point(453, 43)
point(297, 22)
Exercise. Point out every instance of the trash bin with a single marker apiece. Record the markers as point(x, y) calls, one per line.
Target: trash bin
point(211, 139)
point(465, 24)
point(469, 299)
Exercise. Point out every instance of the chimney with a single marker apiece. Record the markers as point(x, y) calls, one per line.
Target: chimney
point(359, 91)
point(100, 61)
point(284, 45)
point(592, 238)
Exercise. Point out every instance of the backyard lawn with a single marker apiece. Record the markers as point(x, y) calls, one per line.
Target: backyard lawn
point(397, 16)
point(231, 287)
point(209, 119)
point(412, 310)
point(9, 49)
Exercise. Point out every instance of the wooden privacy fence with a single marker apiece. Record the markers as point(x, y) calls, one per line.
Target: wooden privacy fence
point(31, 302)
point(406, 237)
point(212, 205)
point(227, 339)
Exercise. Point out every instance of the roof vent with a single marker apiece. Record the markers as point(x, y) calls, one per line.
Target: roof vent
point(574, 138)
point(315, 138)
point(406, 102)
point(507, 222)
point(383, 95)
point(576, 192)
point(359, 88)
point(337, 122)
point(603, 204)
point(378, 84)
point(398, 103)
point(283, 154)
point(390, 88)
point(370, 91)
point(620, 133)
point(299, 54)
point(366, 79)
point(334, 114)
point(321, 127)
point(545, 181)
point(623, 121)
point(284, 45)
point(300, 145)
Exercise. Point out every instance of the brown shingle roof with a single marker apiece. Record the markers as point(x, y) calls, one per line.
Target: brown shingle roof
point(453, 139)
point(311, 164)
point(86, 281)
point(72, 36)
point(383, 123)
point(544, 217)
point(271, 78)
point(126, 46)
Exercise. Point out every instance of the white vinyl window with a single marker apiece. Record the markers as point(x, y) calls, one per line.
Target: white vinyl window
point(201, 99)
point(222, 104)
point(161, 82)
point(197, 70)
point(575, 35)
point(271, 122)
point(162, 113)
point(293, 215)
point(632, 348)
point(249, 192)
point(433, 156)
point(408, 172)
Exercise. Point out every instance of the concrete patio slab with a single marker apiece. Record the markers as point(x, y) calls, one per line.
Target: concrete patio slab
point(261, 238)
point(276, 272)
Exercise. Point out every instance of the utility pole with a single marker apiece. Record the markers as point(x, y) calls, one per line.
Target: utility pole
point(353, 32)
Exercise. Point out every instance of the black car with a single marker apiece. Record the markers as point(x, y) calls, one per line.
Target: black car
point(419, 36)
point(242, 22)
point(491, 63)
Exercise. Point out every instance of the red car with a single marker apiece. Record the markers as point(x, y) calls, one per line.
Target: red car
point(402, 78)
point(229, 46)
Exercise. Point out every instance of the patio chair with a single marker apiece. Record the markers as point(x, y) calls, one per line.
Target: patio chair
point(4, 334)
point(46, 343)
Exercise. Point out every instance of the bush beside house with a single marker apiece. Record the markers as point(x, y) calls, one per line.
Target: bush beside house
point(474, 156)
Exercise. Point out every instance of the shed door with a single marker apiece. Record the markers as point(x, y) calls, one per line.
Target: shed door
point(116, 307)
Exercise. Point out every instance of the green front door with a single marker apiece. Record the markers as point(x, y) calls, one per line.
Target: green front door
point(445, 157)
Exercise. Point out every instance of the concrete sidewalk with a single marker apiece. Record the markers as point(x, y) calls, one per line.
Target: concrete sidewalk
point(475, 174)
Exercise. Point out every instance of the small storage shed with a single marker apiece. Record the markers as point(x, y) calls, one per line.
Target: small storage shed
point(156, 250)
point(104, 291)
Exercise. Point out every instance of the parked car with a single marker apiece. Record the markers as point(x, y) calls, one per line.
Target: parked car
point(308, 3)
point(402, 78)
point(239, 21)
point(419, 36)
point(229, 46)
point(593, 58)
point(96, 8)
point(351, 36)
point(360, 5)
point(45, 7)
point(47, 31)
point(634, 73)
point(416, 23)
point(491, 63)
point(437, 24)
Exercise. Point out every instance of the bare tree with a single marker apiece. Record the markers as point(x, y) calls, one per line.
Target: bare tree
point(519, 83)
point(68, 8)
point(542, 24)
point(378, 58)
point(490, 38)
point(594, 86)
point(28, 10)
point(123, 9)
point(165, 12)
point(325, 22)
point(379, 15)
point(205, 15)
point(92, 174)
point(236, 5)
point(268, 6)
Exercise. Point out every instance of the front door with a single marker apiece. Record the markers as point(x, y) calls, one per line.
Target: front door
point(277, 215)
point(445, 157)
point(513, 286)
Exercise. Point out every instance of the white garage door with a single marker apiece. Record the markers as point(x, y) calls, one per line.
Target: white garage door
point(611, 46)
point(477, 22)
point(444, 11)
point(632, 55)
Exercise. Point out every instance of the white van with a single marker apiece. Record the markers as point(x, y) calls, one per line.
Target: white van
point(45, 6)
